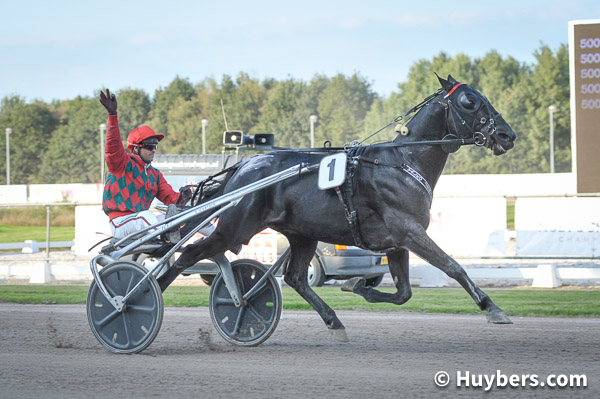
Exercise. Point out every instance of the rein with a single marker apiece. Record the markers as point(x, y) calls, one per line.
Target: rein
point(450, 141)
point(480, 139)
point(408, 113)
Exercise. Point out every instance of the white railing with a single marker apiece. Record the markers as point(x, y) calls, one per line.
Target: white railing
point(473, 226)
point(32, 246)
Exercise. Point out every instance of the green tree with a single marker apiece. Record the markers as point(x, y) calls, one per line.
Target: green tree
point(549, 85)
point(73, 153)
point(504, 81)
point(242, 99)
point(284, 115)
point(164, 100)
point(346, 107)
point(134, 109)
point(342, 107)
point(32, 126)
point(497, 77)
point(185, 127)
point(244, 103)
point(421, 83)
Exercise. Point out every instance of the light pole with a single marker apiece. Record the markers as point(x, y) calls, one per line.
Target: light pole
point(8, 131)
point(204, 124)
point(552, 109)
point(313, 120)
point(102, 130)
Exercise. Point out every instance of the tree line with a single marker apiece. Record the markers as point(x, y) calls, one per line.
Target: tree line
point(59, 142)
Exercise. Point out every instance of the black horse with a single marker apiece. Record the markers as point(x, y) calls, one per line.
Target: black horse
point(391, 192)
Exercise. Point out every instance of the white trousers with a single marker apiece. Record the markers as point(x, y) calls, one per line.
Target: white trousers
point(124, 225)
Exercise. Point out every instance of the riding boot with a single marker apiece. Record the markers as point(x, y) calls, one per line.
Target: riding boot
point(173, 236)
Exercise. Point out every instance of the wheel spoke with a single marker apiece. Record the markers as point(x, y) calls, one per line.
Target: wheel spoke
point(252, 309)
point(143, 309)
point(108, 318)
point(126, 328)
point(257, 292)
point(111, 291)
point(223, 301)
point(238, 320)
point(130, 284)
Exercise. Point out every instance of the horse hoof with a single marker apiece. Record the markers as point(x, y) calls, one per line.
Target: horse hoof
point(352, 285)
point(498, 317)
point(339, 334)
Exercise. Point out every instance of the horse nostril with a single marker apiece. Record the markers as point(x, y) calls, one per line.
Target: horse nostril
point(505, 137)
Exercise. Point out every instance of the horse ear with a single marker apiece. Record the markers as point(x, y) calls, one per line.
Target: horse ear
point(452, 80)
point(446, 85)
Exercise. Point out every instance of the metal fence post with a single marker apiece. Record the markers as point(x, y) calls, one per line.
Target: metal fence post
point(47, 233)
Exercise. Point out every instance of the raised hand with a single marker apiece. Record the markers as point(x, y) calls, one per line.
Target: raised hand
point(109, 101)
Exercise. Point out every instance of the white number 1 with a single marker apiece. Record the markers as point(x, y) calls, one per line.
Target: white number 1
point(332, 171)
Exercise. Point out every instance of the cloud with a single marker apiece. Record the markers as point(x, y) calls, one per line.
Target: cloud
point(412, 20)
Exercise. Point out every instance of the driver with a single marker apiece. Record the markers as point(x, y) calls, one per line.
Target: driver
point(132, 183)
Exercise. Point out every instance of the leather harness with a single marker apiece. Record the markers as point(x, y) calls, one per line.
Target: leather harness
point(347, 190)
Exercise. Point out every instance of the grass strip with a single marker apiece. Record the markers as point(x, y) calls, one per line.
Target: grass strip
point(10, 233)
point(515, 302)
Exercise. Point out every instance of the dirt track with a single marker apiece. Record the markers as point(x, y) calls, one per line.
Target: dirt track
point(50, 352)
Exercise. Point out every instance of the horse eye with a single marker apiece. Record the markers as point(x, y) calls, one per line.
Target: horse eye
point(468, 100)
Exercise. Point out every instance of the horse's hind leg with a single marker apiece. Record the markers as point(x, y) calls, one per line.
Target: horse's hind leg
point(302, 251)
point(398, 263)
point(201, 249)
point(426, 248)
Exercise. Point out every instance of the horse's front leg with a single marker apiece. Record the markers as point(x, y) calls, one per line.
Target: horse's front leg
point(422, 245)
point(296, 275)
point(398, 264)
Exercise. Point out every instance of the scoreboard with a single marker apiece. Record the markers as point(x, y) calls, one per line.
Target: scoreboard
point(584, 68)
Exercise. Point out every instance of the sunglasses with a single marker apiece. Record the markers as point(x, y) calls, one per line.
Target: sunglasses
point(149, 147)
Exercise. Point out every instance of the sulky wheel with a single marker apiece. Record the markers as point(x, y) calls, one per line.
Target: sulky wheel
point(133, 329)
point(252, 323)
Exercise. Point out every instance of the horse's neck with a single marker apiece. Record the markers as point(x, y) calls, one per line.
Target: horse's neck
point(429, 160)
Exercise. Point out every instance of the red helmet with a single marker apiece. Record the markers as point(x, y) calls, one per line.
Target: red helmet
point(140, 134)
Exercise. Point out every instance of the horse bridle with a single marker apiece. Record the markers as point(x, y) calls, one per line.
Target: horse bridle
point(449, 143)
point(463, 104)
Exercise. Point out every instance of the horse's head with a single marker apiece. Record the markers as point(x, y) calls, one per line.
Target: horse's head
point(470, 114)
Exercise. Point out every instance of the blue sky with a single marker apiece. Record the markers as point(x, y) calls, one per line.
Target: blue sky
point(61, 49)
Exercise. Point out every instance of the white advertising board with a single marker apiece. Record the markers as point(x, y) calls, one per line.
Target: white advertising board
point(558, 226)
point(14, 194)
point(78, 193)
point(469, 226)
point(262, 248)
